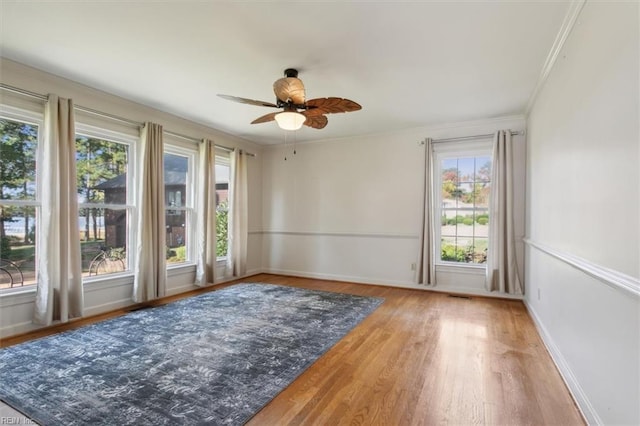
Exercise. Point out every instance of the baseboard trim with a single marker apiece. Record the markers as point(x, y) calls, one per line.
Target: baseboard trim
point(467, 291)
point(582, 402)
point(16, 329)
point(249, 273)
point(470, 291)
point(342, 234)
point(182, 289)
point(345, 278)
point(108, 307)
point(613, 279)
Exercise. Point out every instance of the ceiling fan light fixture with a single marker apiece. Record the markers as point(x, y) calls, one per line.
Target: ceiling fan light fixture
point(290, 120)
point(290, 97)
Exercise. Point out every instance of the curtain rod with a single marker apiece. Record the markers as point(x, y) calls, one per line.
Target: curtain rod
point(468, 138)
point(78, 107)
point(110, 116)
point(22, 92)
point(189, 138)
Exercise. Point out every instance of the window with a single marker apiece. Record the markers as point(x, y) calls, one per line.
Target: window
point(222, 205)
point(106, 174)
point(463, 206)
point(179, 194)
point(104, 199)
point(19, 202)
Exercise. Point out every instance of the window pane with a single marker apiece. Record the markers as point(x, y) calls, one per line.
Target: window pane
point(101, 168)
point(176, 236)
point(481, 225)
point(18, 144)
point(481, 194)
point(103, 241)
point(222, 209)
point(483, 169)
point(480, 250)
point(18, 153)
point(465, 190)
point(176, 177)
point(450, 192)
point(466, 169)
point(465, 225)
point(17, 246)
point(450, 251)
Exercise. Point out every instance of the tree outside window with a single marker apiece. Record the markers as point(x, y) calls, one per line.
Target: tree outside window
point(18, 202)
point(101, 170)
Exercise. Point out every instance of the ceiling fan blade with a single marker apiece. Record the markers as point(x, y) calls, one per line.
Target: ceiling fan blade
point(332, 105)
point(265, 118)
point(312, 112)
point(316, 121)
point(248, 101)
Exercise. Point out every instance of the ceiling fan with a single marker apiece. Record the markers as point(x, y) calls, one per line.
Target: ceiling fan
point(297, 111)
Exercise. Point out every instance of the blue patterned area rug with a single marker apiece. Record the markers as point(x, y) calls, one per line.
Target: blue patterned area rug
point(217, 358)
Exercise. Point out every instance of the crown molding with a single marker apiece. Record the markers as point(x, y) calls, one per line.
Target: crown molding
point(569, 22)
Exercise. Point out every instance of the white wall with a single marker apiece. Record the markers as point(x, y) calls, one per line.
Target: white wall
point(350, 209)
point(583, 195)
point(339, 209)
point(16, 308)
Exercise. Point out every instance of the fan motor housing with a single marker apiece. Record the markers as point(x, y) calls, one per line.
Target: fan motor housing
point(291, 72)
point(290, 88)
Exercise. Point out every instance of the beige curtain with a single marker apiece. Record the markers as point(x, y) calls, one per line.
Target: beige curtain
point(150, 274)
point(59, 293)
point(426, 271)
point(206, 215)
point(502, 268)
point(238, 214)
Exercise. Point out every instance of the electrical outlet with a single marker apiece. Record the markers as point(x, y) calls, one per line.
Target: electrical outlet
point(413, 266)
point(538, 294)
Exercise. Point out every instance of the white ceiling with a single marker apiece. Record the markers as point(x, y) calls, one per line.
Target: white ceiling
point(408, 64)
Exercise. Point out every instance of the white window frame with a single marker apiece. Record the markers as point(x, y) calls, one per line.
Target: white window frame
point(90, 131)
point(191, 153)
point(37, 119)
point(443, 151)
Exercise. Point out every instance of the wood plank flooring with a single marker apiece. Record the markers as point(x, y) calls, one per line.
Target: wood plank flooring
point(423, 358)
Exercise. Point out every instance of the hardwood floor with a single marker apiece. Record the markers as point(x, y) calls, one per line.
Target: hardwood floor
point(424, 358)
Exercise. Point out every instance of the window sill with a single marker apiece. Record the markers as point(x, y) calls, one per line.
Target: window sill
point(181, 265)
point(180, 268)
point(18, 291)
point(106, 277)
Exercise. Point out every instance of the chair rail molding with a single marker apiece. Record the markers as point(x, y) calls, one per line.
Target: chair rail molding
point(610, 277)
